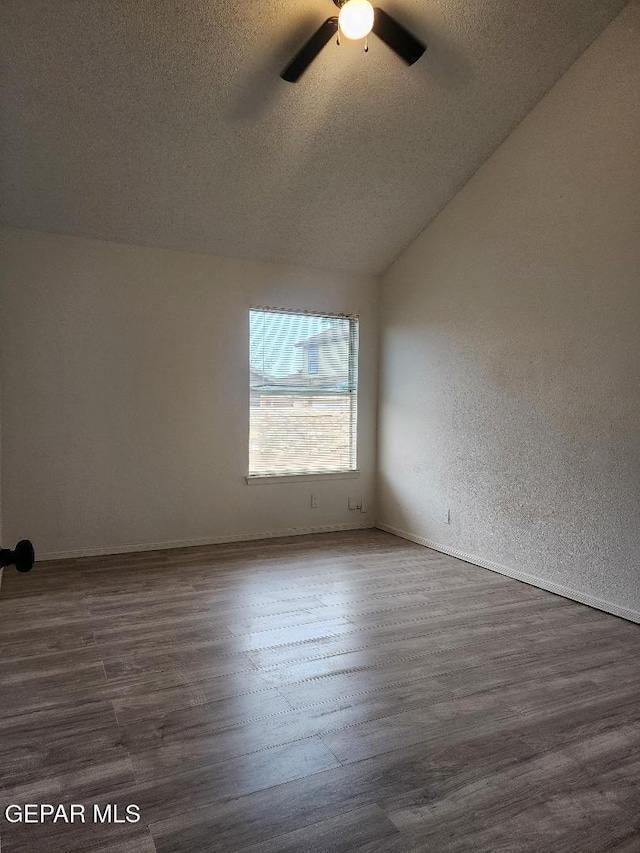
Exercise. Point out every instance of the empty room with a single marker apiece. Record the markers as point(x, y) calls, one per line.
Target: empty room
point(320, 426)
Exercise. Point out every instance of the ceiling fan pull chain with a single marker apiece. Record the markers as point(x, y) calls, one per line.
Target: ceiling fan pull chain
point(338, 38)
point(366, 45)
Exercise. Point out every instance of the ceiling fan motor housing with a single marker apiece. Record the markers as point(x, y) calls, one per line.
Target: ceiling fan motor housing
point(391, 32)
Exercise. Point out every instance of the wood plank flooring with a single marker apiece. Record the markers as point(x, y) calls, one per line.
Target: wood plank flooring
point(342, 693)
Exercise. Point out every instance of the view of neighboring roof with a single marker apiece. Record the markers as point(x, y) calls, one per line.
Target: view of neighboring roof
point(275, 338)
point(332, 335)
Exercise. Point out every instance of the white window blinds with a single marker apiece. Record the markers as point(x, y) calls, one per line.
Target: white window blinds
point(303, 392)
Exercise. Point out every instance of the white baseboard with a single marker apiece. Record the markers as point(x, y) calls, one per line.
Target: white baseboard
point(191, 543)
point(533, 580)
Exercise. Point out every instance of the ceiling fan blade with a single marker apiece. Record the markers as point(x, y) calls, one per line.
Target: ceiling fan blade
point(308, 52)
point(395, 36)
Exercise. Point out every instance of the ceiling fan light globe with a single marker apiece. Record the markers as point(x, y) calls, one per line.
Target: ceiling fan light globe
point(356, 19)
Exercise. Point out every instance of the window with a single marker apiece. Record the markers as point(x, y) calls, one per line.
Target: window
point(303, 392)
point(312, 358)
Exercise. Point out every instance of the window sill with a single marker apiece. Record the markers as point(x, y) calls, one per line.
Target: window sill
point(267, 479)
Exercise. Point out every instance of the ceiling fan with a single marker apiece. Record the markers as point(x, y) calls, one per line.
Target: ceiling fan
point(356, 20)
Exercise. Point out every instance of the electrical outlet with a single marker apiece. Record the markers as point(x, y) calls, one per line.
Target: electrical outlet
point(315, 502)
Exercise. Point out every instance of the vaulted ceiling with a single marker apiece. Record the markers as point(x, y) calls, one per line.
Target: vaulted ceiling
point(165, 123)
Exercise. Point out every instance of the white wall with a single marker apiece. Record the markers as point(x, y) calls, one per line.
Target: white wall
point(125, 395)
point(2, 543)
point(510, 361)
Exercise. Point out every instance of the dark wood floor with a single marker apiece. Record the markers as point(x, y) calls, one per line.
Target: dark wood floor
point(343, 693)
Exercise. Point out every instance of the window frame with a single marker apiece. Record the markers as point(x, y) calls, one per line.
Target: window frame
point(353, 383)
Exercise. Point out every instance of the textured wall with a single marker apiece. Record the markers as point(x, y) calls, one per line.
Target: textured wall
point(126, 401)
point(510, 363)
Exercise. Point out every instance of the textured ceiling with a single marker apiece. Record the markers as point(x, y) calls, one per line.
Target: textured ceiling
point(164, 122)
